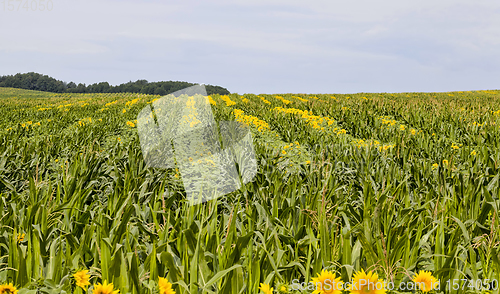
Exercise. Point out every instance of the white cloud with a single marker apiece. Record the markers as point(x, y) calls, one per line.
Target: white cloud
point(240, 44)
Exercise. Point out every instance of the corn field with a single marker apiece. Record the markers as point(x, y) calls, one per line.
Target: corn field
point(391, 184)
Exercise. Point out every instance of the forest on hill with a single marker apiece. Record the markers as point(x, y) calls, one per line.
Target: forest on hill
point(39, 82)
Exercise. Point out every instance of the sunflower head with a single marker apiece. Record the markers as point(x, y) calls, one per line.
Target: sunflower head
point(367, 283)
point(266, 289)
point(165, 286)
point(327, 283)
point(425, 281)
point(20, 237)
point(82, 279)
point(104, 288)
point(282, 289)
point(8, 289)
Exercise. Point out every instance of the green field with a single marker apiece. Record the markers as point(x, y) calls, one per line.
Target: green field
point(388, 183)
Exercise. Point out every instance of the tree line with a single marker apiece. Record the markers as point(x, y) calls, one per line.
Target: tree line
point(36, 81)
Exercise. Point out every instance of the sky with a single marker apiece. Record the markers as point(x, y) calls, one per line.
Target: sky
point(260, 47)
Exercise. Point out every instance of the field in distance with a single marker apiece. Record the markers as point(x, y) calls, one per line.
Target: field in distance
point(388, 183)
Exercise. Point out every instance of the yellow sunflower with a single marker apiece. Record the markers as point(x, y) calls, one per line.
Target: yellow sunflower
point(82, 279)
point(367, 283)
point(266, 288)
point(20, 237)
point(8, 289)
point(165, 286)
point(425, 281)
point(282, 289)
point(105, 288)
point(327, 283)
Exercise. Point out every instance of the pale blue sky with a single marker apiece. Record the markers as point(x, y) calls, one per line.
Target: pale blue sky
point(260, 46)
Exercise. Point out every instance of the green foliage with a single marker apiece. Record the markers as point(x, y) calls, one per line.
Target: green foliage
point(79, 191)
